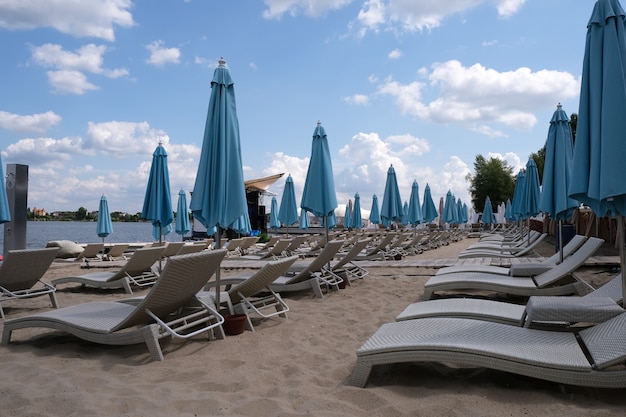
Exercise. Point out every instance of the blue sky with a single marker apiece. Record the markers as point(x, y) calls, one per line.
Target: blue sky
point(90, 88)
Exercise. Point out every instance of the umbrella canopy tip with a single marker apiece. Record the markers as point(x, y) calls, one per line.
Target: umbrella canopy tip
point(221, 62)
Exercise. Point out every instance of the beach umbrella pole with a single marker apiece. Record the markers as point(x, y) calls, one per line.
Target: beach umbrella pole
point(622, 253)
point(560, 231)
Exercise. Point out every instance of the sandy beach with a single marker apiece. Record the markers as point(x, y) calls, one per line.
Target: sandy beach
point(288, 367)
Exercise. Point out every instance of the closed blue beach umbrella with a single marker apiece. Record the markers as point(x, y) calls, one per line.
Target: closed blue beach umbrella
point(487, 212)
point(104, 227)
point(274, 222)
point(288, 212)
point(347, 217)
point(405, 214)
point(508, 211)
point(558, 168)
point(459, 210)
point(465, 213)
point(557, 172)
point(304, 220)
point(375, 211)
point(157, 204)
point(219, 195)
point(429, 210)
point(598, 175)
point(182, 215)
point(318, 196)
point(5, 212)
point(357, 219)
point(450, 214)
point(415, 209)
point(533, 191)
point(518, 196)
point(392, 208)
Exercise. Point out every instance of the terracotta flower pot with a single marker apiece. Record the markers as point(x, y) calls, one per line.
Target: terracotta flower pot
point(234, 324)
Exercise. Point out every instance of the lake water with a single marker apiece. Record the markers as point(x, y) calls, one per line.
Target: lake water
point(40, 233)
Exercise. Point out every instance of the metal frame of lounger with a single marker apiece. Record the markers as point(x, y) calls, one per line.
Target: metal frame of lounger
point(21, 272)
point(518, 270)
point(243, 295)
point(595, 307)
point(136, 271)
point(311, 276)
point(120, 323)
point(546, 283)
point(550, 355)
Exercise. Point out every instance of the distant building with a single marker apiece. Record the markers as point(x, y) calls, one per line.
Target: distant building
point(39, 212)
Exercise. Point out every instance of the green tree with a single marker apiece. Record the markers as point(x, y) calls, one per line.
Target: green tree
point(81, 214)
point(573, 122)
point(492, 178)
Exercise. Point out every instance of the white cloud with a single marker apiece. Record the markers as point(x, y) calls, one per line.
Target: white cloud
point(32, 123)
point(277, 8)
point(160, 55)
point(69, 67)
point(512, 159)
point(395, 54)
point(357, 99)
point(70, 82)
point(420, 15)
point(94, 18)
point(478, 95)
point(37, 151)
point(119, 139)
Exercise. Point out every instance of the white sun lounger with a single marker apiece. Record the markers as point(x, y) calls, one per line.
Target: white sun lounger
point(21, 272)
point(137, 271)
point(551, 355)
point(518, 270)
point(595, 307)
point(120, 323)
point(547, 283)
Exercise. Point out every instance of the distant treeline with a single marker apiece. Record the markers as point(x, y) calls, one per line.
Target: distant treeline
point(82, 215)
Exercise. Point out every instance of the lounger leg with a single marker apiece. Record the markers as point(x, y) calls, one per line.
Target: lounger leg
point(126, 285)
point(361, 373)
point(317, 289)
point(1, 313)
point(151, 336)
point(53, 300)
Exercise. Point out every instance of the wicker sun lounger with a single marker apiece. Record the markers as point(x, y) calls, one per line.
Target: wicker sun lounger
point(137, 271)
point(21, 272)
point(310, 277)
point(518, 270)
point(547, 283)
point(551, 355)
point(244, 297)
point(595, 307)
point(120, 323)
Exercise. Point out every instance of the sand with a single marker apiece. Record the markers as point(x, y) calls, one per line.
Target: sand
point(288, 367)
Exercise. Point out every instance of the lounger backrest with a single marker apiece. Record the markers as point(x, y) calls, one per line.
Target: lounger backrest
point(279, 247)
point(605, 342)
point(571, 246)
point(352, 253)
point(172, 248)
point(611, 289)
point(569, 264)
point(325, 256)
point(186, 249)
point(384, 242)
point(91, 250)
point(261, 279)
point(21, 269)
point(142, 260)
point(117, 250)
point(182, 277)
